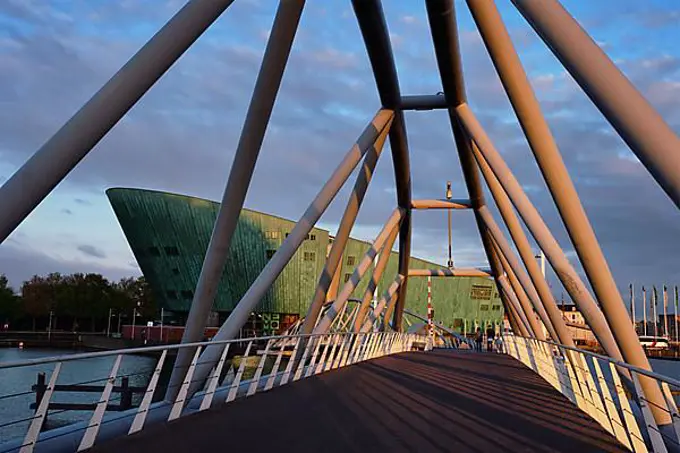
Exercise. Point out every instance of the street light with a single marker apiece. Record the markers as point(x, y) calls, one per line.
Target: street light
point(449, 195)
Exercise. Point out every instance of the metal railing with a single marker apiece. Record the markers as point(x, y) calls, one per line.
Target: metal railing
point(606, 389)
point(246, 366)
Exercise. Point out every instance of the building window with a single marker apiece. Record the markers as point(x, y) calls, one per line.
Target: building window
point(171, 295)
point(171, 251)
point(496, 307)
point(480, 292)
point(347, 277)
point(484, 307)
point(153, 251)
point(312, 237)
point(175, 271)
point(187, 294)
point(351, 260)
point(309, 256)
point(495, 295)
point(270, 253)
point(271, 234)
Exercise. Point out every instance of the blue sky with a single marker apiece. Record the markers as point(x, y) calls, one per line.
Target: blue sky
point(181, 136)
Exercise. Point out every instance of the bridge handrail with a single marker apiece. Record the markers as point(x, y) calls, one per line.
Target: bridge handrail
point(143, 349)
point(618, 363)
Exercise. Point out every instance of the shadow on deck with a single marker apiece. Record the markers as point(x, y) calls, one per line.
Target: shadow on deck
point(429, 402)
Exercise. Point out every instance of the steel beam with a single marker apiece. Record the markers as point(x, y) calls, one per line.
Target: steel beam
point(375, 280)
point(637, 122)
point(423, 102)
point(338, 304)
point(441, 204)
point(376, 37)
point(555, 322)
point(29, 185)
point(521, 318)
point(563, 269)
point(459, 272)
point(518, 279)
point(249, 145)
point(389, 297)
point(296, 237)
point(334, 260)
point(442, 20)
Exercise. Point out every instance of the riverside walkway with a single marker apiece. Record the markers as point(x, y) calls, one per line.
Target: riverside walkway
point(437, 401)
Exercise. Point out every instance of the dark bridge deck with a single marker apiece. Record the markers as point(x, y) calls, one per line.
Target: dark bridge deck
point(426, 402)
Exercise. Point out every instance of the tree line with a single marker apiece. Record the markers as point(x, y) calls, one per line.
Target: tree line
point(75, 302)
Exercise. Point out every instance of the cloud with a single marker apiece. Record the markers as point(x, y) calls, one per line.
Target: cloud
point(182, 135)
point(91, 250)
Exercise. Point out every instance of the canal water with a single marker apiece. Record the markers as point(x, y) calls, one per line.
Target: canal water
point(16, 395)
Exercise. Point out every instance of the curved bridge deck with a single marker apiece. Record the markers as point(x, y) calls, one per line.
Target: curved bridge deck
point(430, 402)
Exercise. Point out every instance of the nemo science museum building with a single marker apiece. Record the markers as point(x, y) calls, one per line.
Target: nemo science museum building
point(169, 235)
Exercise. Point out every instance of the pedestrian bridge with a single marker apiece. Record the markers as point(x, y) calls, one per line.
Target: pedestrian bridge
point(377, 391)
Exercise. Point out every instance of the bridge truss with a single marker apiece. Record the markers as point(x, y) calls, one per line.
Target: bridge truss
point(526, 296)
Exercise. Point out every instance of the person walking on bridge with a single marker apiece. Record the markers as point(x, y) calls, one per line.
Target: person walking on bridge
point(490, 334)
point(479, 337)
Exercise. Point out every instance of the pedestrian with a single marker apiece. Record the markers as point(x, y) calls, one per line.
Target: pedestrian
point(478, 339)
point(490, 333)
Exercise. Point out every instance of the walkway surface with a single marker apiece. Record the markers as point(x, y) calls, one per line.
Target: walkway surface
point(438, 401)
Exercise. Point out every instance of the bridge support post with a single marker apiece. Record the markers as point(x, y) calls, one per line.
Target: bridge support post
point(375, 279)
point(515, 308)
point(340, 301)
point(637, 122)
point(376, 38)
point(264, 95)
point(558, 330)
point(506, 255)
point(334, 260)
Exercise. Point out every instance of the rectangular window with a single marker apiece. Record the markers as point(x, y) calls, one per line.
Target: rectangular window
point(351, 260)
point(309, 256)
point(271, 234)
point(171, 295)
point(496, 307)
point(171, 251)
point(153, 251)
point(312, 237)
point(187, 294)
point(480, 292)
point(484, 307)
point(347, 277)
point(270, 253)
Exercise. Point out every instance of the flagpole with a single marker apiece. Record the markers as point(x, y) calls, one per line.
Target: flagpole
point(676, 314)
point(632, 306)
point(644, 310)
point(665, 312)
point(654, 302)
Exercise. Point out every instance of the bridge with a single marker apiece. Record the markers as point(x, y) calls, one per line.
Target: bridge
point(356, 379)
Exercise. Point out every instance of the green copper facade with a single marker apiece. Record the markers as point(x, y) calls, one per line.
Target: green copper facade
point(169, 235)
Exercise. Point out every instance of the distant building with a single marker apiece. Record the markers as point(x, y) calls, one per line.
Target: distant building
point(577, 326)
point(169, 236)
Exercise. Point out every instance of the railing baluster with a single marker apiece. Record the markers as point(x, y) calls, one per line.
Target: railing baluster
point(33, 432)
point(655, 437)
point(143, 411)
point(258, 373)
point(311, 368)
point(291, 361)
point(213, 380)
point(184, 389)
point(95, 422)
point(312, 342)
point(275, 368)
point(233, 390)
point(612, 412)
point(341, 350)
point(631, 424)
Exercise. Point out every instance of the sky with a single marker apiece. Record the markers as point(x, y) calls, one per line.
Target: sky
point(181, 136)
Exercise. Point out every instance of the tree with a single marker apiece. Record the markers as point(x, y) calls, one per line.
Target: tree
point(10, 304)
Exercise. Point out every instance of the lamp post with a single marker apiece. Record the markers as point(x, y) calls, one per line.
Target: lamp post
point(449, 195)
point(108, 324)
point(49, 328)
